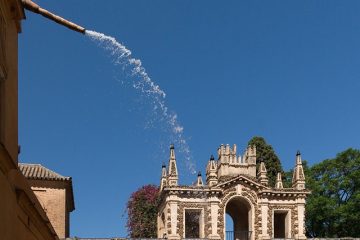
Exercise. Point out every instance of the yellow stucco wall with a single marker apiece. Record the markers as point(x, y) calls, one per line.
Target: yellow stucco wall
point(21, 215)
point(52, 197)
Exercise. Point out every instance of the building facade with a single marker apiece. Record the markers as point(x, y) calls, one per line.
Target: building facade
point(55, 194)
point(234, 190)
point(21, 215)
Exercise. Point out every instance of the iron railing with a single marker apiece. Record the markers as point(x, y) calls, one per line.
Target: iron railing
point(77, 238)
point(238, 235)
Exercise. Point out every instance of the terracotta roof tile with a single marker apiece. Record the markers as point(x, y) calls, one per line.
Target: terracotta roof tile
point(37, 171)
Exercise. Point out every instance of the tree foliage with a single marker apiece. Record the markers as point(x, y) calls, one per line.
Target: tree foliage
point(142, 208)
point(265, 152)
point(333, 208)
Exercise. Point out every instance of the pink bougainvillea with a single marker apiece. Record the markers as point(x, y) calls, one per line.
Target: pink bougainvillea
point(142, 208)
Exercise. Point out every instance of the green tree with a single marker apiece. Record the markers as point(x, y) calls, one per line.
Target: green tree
point(265, 152)
point(142, 208)
point(333, 208)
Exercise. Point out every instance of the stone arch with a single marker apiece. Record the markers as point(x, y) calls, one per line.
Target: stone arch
point(242, 211)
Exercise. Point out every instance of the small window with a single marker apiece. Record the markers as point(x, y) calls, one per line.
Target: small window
point(192, 223)
point(280, 224)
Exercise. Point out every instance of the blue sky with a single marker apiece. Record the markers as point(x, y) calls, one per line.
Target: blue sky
point(285, 70)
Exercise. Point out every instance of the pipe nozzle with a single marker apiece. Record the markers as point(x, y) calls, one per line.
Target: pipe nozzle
point(33, 7)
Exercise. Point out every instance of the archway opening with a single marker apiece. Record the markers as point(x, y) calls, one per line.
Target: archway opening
point(239, 210)
point(229, 223)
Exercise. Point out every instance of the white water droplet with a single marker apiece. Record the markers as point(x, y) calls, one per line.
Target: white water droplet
point(122, 56)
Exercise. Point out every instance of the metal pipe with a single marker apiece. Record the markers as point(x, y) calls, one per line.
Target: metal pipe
point(31, 6)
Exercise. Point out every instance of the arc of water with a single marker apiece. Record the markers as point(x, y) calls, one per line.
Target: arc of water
point(123, 56)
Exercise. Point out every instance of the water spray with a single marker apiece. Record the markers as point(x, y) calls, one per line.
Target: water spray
point(142, 82)
point(122, 56)
point(33, 7)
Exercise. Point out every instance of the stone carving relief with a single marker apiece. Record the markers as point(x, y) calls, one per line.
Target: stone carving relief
point(294, 221)
point(168, 221)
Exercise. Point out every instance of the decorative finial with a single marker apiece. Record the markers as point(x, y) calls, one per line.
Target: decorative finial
point(163, 165)
point(298, 180)
point(172, 168)
point(199, 181)
point(262, 174)
point(212, 157)
point(279, 184)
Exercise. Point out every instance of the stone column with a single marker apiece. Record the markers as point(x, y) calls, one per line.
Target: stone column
point(214, 209)
point(264, 207)
point(174, 221)
point(301, 219)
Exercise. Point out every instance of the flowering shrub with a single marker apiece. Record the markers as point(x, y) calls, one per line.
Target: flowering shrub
point(142, 208)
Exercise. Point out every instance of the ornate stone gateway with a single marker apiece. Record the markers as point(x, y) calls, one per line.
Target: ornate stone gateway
point(234, 187)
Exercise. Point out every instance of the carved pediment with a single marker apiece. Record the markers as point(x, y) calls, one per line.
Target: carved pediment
point(192, 191)
point(229, 182)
